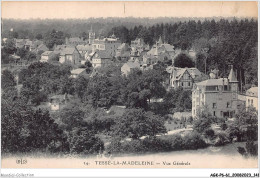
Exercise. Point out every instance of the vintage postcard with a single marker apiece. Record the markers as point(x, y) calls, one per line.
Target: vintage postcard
point(129, 84)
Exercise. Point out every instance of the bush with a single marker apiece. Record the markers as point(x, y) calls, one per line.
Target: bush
point(221, 139)
point(209, 133)
point(193, 141)
point(176, 142)
point(82, 141)
point(201, 125)
point(251, 149)
point(154, 144)
point(223, 126)
point(115, 146)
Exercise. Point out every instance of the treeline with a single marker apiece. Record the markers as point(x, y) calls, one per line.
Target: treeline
point(31, 28)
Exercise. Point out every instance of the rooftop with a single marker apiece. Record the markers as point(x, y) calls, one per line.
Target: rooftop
point(47, 53)
point(77, 71)
point(213, 82)
point(84, 47)
point(67, 51)
point(132, 64)
point(252, 91)
point(104, 54)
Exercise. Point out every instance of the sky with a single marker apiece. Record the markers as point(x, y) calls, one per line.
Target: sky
point(83, 9)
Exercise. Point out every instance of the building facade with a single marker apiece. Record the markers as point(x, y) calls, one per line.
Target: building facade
point(182, 77)
point(70, 56)
point(252, 98)
point(218, 95)
point(101, 59)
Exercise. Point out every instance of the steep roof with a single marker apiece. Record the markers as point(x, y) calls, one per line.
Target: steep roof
point(122, 46)
point(47, 53)
point(194, 72)
point(29, 42)
point(77, 71)
point(84, 47)
point(61, 47)
point(213, 82)
point(168, 47)
point(232, 76)
point(252, 91)
point(67, 51)
point(42, 47)
point(104, 54)
point(132, 65)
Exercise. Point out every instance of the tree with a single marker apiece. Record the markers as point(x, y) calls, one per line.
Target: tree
point(82, 141)
point(182, 60)
point(178, 100)
point(136, 123)
point(72, 115)
point(54, 37)
point(7, 80)
point(39, 36)
point(202, 124)
point(26, 130)
point(245, 125)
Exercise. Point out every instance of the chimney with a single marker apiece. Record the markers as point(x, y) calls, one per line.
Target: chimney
point(228, 87)
point(66, 41)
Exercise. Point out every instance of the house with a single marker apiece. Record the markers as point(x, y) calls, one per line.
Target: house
point(139, 45)
point(57, 101)
point(19, 43)
point(83, 49)
point(59, 48)
point(252, 98)
point(159, 52)
point(77, 72)
point(218, 95)
point(41, 47)
point(28, 44)
point(123, 51)
point(139, 42)
point(46, 56)
point(101, 58)
point(182, 77)
point(169, 49)
point(128, 67)
point(109, 45)
point(70, 55)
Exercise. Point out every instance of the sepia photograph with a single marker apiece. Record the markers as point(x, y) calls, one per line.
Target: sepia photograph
point(164, 84)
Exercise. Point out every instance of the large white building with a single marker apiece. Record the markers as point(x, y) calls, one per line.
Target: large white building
point(218, 95)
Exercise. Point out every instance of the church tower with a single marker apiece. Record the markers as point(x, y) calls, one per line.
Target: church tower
point(91, 36)
point(233, 84)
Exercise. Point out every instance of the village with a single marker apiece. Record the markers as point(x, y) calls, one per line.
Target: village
point(100, 82)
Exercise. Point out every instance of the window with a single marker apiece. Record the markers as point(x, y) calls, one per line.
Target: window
point(214, 105)
point(181, 83)
point(214, 113)
point(228, 104)
point(189, 84)
point(251, 102)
